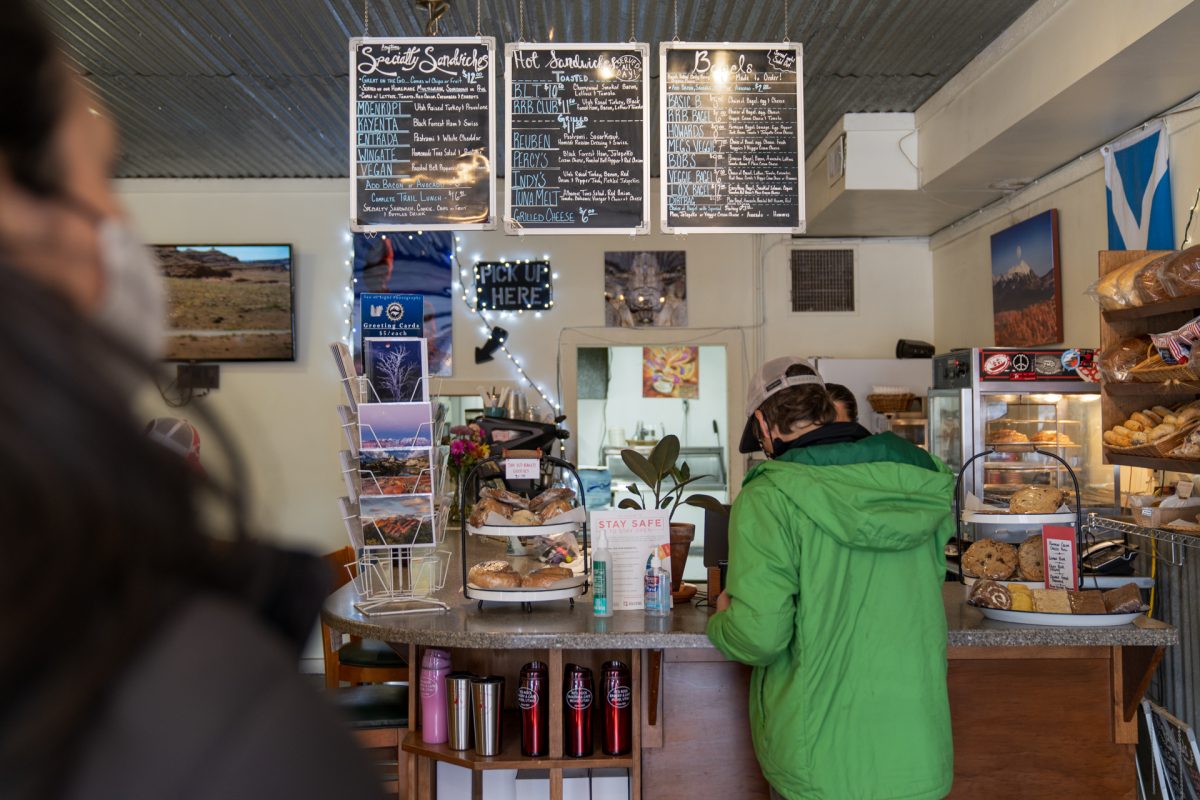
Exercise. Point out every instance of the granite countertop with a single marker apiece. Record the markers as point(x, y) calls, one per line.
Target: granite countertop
point(558, 625)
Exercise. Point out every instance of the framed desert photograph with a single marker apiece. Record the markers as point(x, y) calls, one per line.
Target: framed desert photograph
point(229, 302)
point(1027, 306)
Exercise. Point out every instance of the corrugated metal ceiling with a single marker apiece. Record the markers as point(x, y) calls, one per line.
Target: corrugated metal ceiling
point(258, 88)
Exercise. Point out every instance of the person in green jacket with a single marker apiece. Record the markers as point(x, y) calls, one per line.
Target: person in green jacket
point(834, 596)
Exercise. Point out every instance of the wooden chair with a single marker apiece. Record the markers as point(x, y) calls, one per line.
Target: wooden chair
point(378, 716)
point(355, 660)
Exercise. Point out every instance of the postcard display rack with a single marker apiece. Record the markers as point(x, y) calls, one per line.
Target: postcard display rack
point(526, 545)
point(391, 511)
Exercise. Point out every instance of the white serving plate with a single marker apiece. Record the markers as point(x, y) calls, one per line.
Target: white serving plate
point(1060, 620)
point(562, 590)
point(1089, 582)
point(986, 518)
point(524, 530)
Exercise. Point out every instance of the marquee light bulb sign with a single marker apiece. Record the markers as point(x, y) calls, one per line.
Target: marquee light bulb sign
point(513, 286)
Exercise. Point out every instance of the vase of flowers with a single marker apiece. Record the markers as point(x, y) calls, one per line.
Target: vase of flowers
point(468, 446)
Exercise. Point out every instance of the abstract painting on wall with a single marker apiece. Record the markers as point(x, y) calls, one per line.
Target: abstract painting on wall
point(645, 289)
point(671, 372)
point(1027, 304)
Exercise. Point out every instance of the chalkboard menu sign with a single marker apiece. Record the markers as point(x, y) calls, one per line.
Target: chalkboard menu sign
point(422, 137)
point(513, 286)
point(732, 138)
point(577, 137)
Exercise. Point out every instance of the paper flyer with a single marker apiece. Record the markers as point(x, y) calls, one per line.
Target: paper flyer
point(631, 537)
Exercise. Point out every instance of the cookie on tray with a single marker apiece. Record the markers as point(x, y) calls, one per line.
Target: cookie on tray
point(1029, 559)
point(990, 559)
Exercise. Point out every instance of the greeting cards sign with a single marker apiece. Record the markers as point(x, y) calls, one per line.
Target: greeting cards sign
point(632, 537)
point(422, 133)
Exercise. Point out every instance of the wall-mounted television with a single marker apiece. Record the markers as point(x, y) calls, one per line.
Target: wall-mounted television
point(229, 302)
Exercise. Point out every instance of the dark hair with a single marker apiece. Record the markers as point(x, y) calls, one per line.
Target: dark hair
point(840, 394)
point(796, 406)
point(33, 92)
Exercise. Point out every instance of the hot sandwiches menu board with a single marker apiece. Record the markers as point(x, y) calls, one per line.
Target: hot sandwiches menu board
point(732, 138)
point(578, 138)
point(422, 140)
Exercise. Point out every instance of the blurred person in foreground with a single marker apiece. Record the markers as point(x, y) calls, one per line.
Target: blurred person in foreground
point(834, 596)
point(169, 666)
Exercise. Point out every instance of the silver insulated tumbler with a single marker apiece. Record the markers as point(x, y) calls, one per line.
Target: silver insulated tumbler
point(458, 713)
point(486, 696)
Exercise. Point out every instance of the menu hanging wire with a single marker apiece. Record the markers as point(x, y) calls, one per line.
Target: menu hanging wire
point(521, 21)
point(632, 21)
point(675, 11)
point(479, 17)
point(786, 39)
point(366, 18)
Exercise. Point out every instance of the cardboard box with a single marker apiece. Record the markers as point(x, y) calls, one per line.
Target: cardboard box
point(1157, 516)
point(454, 783)
point(610, 784)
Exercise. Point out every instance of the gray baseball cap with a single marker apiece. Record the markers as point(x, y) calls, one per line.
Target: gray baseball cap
point(770, 379)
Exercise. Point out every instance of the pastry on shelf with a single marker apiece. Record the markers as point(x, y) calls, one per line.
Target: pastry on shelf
point(1090, 601)
point(1052, 437)
point(995, 561)
point(990, 594)
point(1035, 500)
point(1123, 600)
point(555, 495)
point(494, 575)
point(1022, 597)
point(504, 496)
point(485, 507)
point(1029, 559)
point(1007, 436)
point(552, 509)
point(1051, 601)
point(525, 517)
point(546, 577)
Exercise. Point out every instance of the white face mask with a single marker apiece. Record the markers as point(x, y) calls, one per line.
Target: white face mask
point(134, 306)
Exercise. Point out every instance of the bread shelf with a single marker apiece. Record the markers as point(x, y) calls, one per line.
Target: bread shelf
point(1134, 389)
point(1148, 462)
point(1173, 305)
point(510, 753)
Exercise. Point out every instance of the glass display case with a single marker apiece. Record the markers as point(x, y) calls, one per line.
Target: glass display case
point(1018, 401)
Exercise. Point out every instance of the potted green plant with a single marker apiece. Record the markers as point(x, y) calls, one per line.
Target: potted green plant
point(666, 483)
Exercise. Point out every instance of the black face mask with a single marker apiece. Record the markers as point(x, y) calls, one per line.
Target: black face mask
point(777, 445)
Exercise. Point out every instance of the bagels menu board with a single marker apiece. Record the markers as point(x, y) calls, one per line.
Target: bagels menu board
point(732, 137)
point(577, 138)
point(422, 137)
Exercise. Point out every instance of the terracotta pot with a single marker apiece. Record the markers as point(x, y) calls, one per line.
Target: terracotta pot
point(682, 534)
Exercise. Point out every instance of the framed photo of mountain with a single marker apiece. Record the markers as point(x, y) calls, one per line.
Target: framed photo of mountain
point(1027, 305)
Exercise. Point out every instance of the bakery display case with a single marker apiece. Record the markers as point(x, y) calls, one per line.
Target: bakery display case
point(532, 504)
point(1022, 404)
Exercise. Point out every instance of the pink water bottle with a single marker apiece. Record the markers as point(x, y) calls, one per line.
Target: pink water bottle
point(435, 665)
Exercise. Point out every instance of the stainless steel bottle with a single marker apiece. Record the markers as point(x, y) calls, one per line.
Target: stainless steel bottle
point(486, 696)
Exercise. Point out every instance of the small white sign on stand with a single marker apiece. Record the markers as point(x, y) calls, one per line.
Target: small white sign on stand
point(1062, 567)
point(522, 469)
point(632, 536)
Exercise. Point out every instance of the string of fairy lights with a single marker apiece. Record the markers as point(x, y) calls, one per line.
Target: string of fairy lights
point(460, 285)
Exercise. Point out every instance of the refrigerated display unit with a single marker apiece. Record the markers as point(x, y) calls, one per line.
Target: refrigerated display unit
point(1015, 400)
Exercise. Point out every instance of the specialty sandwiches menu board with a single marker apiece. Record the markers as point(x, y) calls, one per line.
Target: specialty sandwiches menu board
point(732, 138)
point(422, 139)
point(578, 138)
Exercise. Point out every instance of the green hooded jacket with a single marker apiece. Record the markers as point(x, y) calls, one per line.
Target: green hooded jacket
point(836, 565)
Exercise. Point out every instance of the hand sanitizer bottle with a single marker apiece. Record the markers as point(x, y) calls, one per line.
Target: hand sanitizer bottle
point(601, 577)
point(657, 588)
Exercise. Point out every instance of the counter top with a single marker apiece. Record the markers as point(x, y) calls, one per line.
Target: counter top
point(557, 625)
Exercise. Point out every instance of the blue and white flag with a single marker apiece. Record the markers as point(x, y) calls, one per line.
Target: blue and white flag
point(1138, 178)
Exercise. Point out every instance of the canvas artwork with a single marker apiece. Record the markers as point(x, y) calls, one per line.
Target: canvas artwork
point(645, 289)
point(1027, 306)
point(671, 372)
point(397, 519)
point(395, 369)
point(395, 471)
point(411, 264)
point(395, 425)
point(228, 303)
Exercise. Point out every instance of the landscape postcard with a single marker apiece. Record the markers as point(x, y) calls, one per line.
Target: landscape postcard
point(395, 425)
point(397, 471)
point(397, 519)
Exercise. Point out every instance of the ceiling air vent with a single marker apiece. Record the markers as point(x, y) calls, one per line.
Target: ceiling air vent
point(822, 280)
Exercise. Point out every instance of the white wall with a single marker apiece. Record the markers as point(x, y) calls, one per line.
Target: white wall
point(962, 253)
point(282, 414)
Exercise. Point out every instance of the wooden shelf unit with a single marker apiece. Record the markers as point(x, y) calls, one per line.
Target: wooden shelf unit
point(423, 757)
point(1119, 400)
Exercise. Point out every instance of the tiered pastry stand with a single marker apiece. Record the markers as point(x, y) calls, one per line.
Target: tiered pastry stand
point(553, 471)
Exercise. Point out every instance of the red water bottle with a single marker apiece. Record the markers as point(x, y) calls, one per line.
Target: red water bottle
point(618, 719)
point(535, 710)
point(578, 688)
